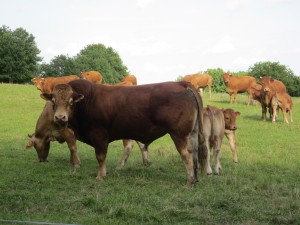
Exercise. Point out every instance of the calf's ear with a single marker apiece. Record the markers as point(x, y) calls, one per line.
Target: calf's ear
point(237, 114)
point(46, 96)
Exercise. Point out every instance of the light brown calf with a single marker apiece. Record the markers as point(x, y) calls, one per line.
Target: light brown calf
point(284, 102)
point(216, 123)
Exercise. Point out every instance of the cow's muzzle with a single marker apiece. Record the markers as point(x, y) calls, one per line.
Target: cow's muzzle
point(232, 128)
point(266, 89)
point(61, 119)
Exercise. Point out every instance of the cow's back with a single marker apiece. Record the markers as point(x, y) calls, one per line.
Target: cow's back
point(120, 110)
point(241, 83)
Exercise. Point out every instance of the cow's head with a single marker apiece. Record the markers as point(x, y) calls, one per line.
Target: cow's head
point(226, 78)
point(37, 82)
point(63, 98)
point(266, 82)
point(230, 117)
point(41, 145)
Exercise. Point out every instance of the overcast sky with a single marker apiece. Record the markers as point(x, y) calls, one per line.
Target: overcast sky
point(159, 40)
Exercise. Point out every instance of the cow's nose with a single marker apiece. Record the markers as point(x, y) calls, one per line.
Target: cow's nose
point(266, 89)
point(60, 118)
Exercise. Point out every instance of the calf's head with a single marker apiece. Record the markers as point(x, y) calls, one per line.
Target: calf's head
point(230, 117)
point(63, 98)
point(41, 145)
point(266, 82)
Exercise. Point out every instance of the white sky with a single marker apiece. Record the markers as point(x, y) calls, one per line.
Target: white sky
point(159, 40)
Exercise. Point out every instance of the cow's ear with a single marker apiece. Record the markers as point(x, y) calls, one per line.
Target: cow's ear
point(237, 114)
point(46, 96)
point(77, 97)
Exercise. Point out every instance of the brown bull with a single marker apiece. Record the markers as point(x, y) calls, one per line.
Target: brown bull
point(238, 84)
point(269, 88)
point(100, 114)
point(218, 122)
point(200, 81)
point(92, 76)
point(46, 131)
point(46, 85)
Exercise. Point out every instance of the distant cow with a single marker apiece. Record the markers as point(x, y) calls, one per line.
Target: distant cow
point(129, 80)
point(216, 123)
point(238, 84)
point(92, 76)
point(46, 85)
point(270, 87)
point(283, 101)
point(47, 130)
point(200, 81)
point(100, 114)
point(256, 92)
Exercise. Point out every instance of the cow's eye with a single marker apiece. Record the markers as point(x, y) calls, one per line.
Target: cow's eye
point(53, 100)
point(71, 101)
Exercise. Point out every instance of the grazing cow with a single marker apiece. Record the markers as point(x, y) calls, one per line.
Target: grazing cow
point(270, 87)
point(200, 81)
point(283, 101)
point(238, 84)
point(92, 76)
point(45, 85)
point(100, 114)
point(216, 123)
point(46, 130)
point(256, 92)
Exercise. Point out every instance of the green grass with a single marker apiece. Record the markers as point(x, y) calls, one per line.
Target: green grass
point(262, 188)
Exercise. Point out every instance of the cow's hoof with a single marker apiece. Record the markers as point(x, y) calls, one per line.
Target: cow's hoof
point(99, 178)
point(77, 166)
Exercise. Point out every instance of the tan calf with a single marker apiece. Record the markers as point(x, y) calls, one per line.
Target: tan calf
point(216, 124)
point(284, 102)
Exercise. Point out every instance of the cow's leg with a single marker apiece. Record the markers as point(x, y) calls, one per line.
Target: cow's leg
point(234, 95)
point(217, 147)
point(230, 95)
point(128, 145)
point(230, 135)
point(101, 151)
point(291, 115)
point(71, 141)
point(284, 115)
point(144, 151)
point(274, 116)
point(208, 166)
point(209, 89)
point(264, 112)
point(185, 150)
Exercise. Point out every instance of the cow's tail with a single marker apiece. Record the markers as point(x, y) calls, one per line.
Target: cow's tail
point(201, 158)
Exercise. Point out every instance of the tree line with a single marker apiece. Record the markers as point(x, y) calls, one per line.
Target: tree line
point(20, 62)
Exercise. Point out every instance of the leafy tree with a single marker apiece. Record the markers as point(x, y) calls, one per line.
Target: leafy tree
point(279, 72)
point(18, 55)
point(218, 84)
point(105, 60)
point(61, 65)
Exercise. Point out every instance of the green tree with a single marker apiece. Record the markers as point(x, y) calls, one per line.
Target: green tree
point(279, 72)
point(18, 55)
point(61, 65)
point(218, 84)
point(105, 60)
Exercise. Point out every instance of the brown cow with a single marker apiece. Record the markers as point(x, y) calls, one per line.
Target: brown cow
point(92, 76)
point(256, 92)
point(45, 85)
point(46, 130)
point(238, 84)
point(270, 87)
point(218, 122)
point(200, 81)
point(283, 101)
point(100, 114)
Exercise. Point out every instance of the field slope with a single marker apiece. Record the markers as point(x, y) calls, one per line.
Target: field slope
point(262, 188)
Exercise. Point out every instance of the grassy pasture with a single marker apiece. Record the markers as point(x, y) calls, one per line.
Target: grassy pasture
point(262, 188)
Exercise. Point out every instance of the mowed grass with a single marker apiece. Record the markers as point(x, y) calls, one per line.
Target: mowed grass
point(262, 188)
